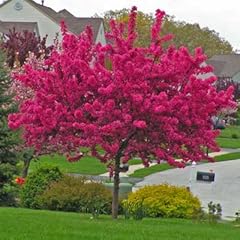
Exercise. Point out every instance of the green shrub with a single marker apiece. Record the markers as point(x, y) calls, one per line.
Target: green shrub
point(8, 190)
point(77, 194)
point(36, 183)
point(162, 201)
point(214, 212)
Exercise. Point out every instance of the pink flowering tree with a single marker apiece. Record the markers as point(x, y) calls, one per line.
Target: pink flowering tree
point(122, 100)
point(21, 93)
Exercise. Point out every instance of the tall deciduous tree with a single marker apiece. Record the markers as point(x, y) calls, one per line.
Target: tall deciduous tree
point(147, 102)
point(8, 158)
point(185, 34)
point(143, 24)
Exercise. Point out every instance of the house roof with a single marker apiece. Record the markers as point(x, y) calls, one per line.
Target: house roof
point(225, 65)
point(19, 27)
point(75, 24)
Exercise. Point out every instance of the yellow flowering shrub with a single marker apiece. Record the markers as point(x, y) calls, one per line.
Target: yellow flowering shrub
point(162, 201)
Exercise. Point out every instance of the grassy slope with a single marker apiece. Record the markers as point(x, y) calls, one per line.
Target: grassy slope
point(228, 142)
point(228, 156)
point(229, 131)
point(87, 165)
point(21, 224)
point(143, 172)
point(225, 139)
point(92, 166)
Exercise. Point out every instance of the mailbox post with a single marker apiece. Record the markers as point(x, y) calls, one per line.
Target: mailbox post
point(192, 171)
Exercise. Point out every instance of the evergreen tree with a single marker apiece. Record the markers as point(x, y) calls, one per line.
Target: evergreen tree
point(8, 159)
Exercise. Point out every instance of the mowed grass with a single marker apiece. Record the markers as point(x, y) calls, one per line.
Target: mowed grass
point(92, 166)
point(228, 156)
point(134, 161)
point(143, 172)
point(22, 224)
point(228, 142)
point(87, 165)
point(225, 139)
point(229, 131)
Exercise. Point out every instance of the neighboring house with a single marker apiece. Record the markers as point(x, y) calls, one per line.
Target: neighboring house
point(29, 15)
point(226, 66)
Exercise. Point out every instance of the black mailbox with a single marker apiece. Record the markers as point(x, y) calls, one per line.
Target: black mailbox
point(205, 176)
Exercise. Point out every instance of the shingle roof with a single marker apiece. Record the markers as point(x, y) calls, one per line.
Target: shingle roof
point(75, 25)
point(65, 13)
point(19, 27)
point(225, 65)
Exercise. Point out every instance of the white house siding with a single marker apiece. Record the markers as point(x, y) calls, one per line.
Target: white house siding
point(101, 35)
point(30, 14)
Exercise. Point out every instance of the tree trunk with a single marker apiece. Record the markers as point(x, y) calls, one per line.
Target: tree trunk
point(116, 189)
point(116, 175)
point(26, 167)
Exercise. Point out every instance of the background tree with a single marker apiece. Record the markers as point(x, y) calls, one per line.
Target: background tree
point(22, 93)
point(17, 46)
point(149, 103)
point(8, 158)
point(193, 36)
point(185, 34)
point(233, 117)
point(224, 83)
point(144, 23)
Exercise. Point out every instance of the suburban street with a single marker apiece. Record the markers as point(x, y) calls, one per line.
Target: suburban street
point(224, 190)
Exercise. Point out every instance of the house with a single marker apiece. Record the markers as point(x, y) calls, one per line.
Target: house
point(226, 66)
point(43, 20)
point(19, 27)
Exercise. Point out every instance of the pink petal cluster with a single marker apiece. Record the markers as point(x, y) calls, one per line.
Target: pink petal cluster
point(143, 101)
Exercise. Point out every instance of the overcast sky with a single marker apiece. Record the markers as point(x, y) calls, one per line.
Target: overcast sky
point(219, 15)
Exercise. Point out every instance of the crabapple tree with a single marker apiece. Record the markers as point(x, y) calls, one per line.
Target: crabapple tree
point(121, 101)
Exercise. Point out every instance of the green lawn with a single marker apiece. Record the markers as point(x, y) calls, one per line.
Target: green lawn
point(135, 161)
point(87, 165)
point(225, 139)
point(92, 166)
point(228, 142)
point(143, 172)
point(228, 156)
point(229, 131)
point(22, 224)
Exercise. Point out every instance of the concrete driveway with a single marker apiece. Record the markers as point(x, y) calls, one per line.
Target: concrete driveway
point(224, 190)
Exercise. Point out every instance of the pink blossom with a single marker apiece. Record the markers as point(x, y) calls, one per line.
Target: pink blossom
point(140, 101)
point(139, 124)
